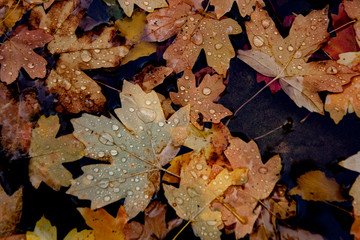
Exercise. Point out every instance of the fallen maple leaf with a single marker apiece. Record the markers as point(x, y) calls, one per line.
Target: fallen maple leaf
point(352, 8)
point(245, 6)
point(147, 5)
point(136, 148)
point(45, 231)
point(132, 29)
point(348, 101)
point(151, 77)
point(48, 153)
point(345, 40)
point(155, 226)
point(258, 185)
point(17, 53)
point(10, 211)
point(315, 186)
point(286, 58)
point(194, 33)
point(16, 118)
point(192, 199)
point(75, 90)
point(201, 98)
point(105, 226)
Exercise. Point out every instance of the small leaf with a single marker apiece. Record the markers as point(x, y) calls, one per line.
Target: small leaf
point(315, 186)
point(10, 211)
point(201, 98)
point(48, 154)
point(43, 231)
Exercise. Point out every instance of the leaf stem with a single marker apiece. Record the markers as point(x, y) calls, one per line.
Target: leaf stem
point(182, 229)
point(230, 208)
point(342, 26)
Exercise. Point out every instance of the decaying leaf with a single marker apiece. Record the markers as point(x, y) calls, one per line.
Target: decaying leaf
point(132, 29)
point(245, 6)
point(155, 226)
point(345, 40)
point(275, 56)
point(16, 118)
point(352, 8)
point(151, 77)
point(75, 90)
point(148, 5)
point(194, 33)
point(45, 231)
point(105, 226)
point(48, 153)
point(315, 186)
point(10, 211)
point(192, 199)
point(17, 53)
point(258, 185)
point(201, 98)
point(136, 148)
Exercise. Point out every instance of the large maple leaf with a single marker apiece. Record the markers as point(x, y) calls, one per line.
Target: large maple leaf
point(17, 53)
point(192, 199)
point(286, 58)
point(75, 90)
point(194, 33)
point(245, 6)
point(16, 118)
point(136, 148)
point(48, 153)
point(201, 98)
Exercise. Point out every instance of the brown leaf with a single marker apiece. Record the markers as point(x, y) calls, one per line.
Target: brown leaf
point(192, 30)
point(75, 90)
point(10, 211)
point(17, 53)
point(275, 56)
point(151, 77)
point(148, 5)
point(155, 226)
point(16, 118)
point(352, 8)
point(315, 186)
point(15, 237)
point(245, 6)
point(201, 98)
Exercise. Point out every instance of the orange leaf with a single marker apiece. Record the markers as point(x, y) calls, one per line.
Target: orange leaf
point(201, 98)
point(352, 8)
point(245, 6)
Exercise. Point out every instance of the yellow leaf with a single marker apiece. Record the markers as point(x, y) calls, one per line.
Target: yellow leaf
point(43, 231)
point(83, 235)
point(141, 49)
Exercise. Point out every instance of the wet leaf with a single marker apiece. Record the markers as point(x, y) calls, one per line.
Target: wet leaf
point(245, 6)
point(300, 80)
point(147, 5)
point(258, 185)
point(315, 186)
point(352, 162)
point(352, 8)
point(75, 90)
point(17, 53)
point(192, 199)
point(16, 118)
point(355, 193)
point(151, 77)
point(345, 40)
point(201, 98)
point(105, 226)
point(132, 29)
point(194, 33)
point(136, 148)
point(48, 154)
point(155, 226)
point(10, 211)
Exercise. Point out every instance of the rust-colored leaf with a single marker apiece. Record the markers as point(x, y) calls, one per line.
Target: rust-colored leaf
point(245, 6)
point(10, 211)
point(151, 77)
point(201, 98)
point(17, 53)
point(148, 5)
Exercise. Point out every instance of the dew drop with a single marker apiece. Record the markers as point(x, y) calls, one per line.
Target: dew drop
point(116, 190)
point(258, 41)
point(161, 124)
point(77, 72)
point(263, 170)
point(90, 177)
point(290, 48)
point(192, 192)
point(113, 152)
point(67, 84)
point(331, 70)
point(104, 183)
point(129, 193)
point(97, 50)
point(182, 88)
point(31, 65)
point(313, 27)
point(1, 57)
point(218, 46)
point(179, 22)
point(131, 109)
point(265, 23)
point(107, 198)
point(206, 91)
point(115, 127)
point(197, 38)
point(199, 166)
point(85, 56)
point(123, 159)
point(148, 102)
point(96, 170)
point(127, 3)
point(211, 111)
point(179, 200)
point(146, 115)
point(106, 139)
point(297, 54)
point(211, 223)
